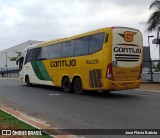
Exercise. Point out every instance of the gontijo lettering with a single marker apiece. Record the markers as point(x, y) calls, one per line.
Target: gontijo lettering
point(127, 50)
point(63, 63)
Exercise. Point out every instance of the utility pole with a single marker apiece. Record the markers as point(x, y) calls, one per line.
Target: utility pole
point(150, 58)
point(6, 64)
point(6, 58)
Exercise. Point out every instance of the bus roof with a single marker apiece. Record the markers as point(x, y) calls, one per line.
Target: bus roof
point(74, 37)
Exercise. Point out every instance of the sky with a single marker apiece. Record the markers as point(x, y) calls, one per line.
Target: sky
point(43, 20)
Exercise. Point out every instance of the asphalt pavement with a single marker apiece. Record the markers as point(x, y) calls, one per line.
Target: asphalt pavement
point(130, 109)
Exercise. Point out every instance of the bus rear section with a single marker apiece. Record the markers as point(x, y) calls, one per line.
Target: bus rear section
point(124, 71)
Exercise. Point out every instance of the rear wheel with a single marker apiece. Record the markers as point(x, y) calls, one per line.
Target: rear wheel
point(66, 85)
point(106, 92)
point(77, 86)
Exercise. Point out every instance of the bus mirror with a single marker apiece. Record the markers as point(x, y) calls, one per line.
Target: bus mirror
point(106, 38)
point(21, 62)
point(17, 61)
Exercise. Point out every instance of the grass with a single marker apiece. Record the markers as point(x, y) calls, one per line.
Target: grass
point(9, 122)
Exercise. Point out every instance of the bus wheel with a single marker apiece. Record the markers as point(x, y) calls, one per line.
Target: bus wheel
point(106, 92)
point(77, 86)
point(66, 85)
point(27, 80)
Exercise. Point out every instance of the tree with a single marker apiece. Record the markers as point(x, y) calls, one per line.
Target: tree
point(157, 68)
point(14, 58)
point(153, 22)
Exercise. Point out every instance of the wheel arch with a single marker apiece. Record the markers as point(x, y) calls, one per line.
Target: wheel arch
point(76, 76)
point(26, 75)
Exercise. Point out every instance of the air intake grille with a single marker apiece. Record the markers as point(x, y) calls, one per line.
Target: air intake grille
point(127, 57)
point(95, 77)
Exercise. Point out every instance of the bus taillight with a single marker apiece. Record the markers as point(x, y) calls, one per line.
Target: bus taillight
point(109, 73)
point(140, 73)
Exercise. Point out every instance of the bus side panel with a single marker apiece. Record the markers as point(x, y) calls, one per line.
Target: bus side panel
point(36, 72)
point(88, 68)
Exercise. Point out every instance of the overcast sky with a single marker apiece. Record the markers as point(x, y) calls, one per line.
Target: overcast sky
point(22, 20)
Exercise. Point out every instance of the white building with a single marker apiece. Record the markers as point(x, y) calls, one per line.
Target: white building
point(5, 55)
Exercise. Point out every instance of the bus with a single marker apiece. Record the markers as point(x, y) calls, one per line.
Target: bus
point(106, 59)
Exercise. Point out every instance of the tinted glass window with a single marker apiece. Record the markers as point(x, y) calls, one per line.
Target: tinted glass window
point(32, 55)
point(82, 46)
point(36, 53)
point(55, 50)
point(96, 42)
point(68, 49)
point(45, 53)
point(28, 56)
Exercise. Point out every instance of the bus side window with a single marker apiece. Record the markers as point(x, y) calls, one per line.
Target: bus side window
point(28, 56)
point(82, 45)
point(96, 42)
point(32, 55)
point(55, 50)
point(43, 53)
point(36, 54)
point(68, 48)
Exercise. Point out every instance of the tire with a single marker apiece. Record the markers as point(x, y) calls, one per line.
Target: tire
point(66, 85)
point(27, 80)
point(77, 86)
point(106, 92)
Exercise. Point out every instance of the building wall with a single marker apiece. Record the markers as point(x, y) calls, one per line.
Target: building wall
point(11, 53)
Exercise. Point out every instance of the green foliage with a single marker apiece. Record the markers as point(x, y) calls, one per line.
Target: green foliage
point(157, 68)
point(10, 122)
point(14, 58)
point(153, 22)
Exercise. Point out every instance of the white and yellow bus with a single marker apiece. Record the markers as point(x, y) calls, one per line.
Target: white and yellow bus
point(106, 59)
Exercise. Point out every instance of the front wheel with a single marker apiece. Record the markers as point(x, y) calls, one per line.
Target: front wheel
point(77, 86)
point(27, 80)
